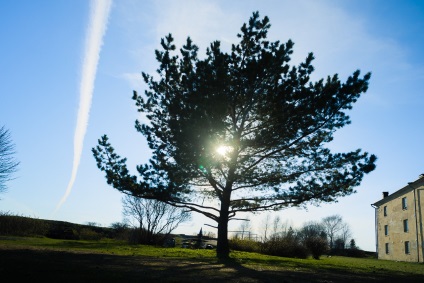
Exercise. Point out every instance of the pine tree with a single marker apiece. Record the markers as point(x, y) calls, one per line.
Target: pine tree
point(244, 131)
point(353, 244)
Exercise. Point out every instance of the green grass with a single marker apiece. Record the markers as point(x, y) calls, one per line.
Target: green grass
point(356, 265)
point(246, 265)
point(106, 246)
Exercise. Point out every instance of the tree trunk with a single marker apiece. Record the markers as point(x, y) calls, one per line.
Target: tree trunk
point(223, 247)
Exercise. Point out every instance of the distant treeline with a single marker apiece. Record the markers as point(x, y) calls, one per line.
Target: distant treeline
point(286, 247)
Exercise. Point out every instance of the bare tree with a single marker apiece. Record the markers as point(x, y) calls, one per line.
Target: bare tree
point(332, 225)
point(209, 234)
point(344, 234)
point(276, 226)
point(8, 164)
point(265, 226)
point(245, 227)
point(312, 229)
point(152, 217)
point(280, 228)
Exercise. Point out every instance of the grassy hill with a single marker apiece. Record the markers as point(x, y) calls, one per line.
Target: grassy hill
point(26, 226)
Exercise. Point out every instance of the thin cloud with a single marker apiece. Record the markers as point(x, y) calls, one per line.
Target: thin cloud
point(96, 29)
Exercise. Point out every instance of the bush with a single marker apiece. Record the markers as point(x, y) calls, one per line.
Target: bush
point(120, 231)
point(244, 245)
point(317, 246)
point(355, 253)
point(285, 247)
point(62, 230)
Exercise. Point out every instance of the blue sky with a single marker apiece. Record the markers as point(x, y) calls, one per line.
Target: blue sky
point(42, 54)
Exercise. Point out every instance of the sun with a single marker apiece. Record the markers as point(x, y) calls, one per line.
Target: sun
point(223, 150)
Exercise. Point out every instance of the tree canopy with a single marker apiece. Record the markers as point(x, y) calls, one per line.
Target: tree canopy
point(241, 131)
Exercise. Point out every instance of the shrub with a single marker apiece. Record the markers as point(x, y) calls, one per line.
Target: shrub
point(317, 246)
point(62, 230)
point(121, 231)
point(244, 245)
point(144, 237)
point(355, 253)
point(285, 247)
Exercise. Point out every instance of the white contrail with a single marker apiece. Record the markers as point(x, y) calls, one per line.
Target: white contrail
point(94, 39)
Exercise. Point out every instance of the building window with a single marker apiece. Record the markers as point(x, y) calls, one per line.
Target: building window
point(405, 225)
point(404, 203)
point(385, 210)
point(386, 230)
point(407, 247)
point(387, 248)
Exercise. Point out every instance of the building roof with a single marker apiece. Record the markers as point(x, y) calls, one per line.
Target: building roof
point(409, 187)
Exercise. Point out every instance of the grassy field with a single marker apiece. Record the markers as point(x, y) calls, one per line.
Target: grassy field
point(49, 260)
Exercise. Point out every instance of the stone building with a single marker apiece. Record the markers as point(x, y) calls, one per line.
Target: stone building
point(399, 223)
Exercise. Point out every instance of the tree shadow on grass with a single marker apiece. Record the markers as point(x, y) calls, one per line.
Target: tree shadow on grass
point(266, 271)
point(26, 265)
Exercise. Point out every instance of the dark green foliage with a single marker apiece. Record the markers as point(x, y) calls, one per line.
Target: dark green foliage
point(275, 123)
point(353, 244)
point(339, 244)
